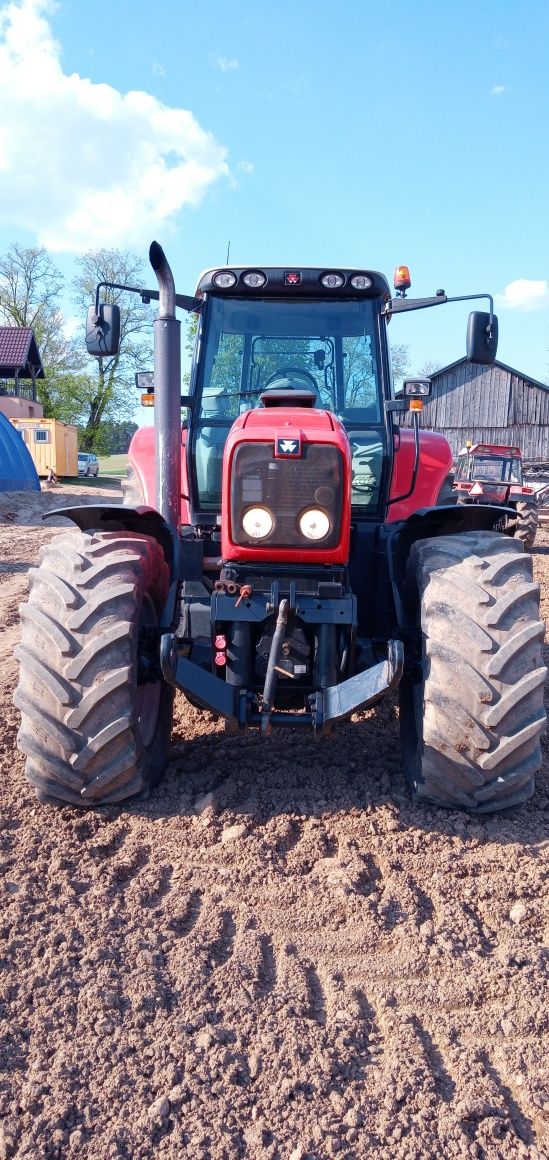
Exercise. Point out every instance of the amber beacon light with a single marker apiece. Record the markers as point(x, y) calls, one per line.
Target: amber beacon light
point(402, 280)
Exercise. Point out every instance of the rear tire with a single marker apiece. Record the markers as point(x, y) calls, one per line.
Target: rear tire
point(132, 494)
point(527, 524)
point(447, 495)
point(471, 710)
point(93, 731)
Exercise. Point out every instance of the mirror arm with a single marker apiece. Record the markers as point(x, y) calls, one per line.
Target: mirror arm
point(469, 298)
point(184, 301)
point(396, 305)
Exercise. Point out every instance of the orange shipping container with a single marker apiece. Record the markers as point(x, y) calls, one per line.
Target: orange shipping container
point(51, 444)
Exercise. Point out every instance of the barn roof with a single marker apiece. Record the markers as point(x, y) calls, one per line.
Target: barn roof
point(503, 366)
point(19, 356)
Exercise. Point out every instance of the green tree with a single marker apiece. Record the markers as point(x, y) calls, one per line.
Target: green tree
point(108, 390)
point(30, 290)
point(115, 438)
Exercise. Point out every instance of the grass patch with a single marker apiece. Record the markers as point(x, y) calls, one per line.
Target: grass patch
point(113, 464)
point(91, 481)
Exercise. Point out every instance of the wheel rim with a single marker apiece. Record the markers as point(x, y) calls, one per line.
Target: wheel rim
point(149, 695)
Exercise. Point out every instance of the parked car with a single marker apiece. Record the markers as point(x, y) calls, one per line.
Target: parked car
point(88, 464)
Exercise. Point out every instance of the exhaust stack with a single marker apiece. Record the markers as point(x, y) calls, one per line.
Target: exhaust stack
point(167, 379)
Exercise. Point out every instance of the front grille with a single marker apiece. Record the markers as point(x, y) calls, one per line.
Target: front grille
point(287, 488)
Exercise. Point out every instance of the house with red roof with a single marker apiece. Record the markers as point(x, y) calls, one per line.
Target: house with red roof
point(20, 369)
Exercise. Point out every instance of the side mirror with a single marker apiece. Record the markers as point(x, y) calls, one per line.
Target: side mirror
point(482, 340)
point(103, 330)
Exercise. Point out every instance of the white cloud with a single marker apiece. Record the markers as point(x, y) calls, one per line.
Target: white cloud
point(525, 294)
point(246, 166)
point(82, 164)
point(158, 69)
point(225, 63)
point(497, 90)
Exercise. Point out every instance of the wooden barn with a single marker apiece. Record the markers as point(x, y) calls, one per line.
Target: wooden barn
point(494, 404)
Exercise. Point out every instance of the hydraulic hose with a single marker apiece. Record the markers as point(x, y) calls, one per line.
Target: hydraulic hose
point(274, 657)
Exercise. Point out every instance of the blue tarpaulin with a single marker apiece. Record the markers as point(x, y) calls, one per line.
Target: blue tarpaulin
point(17, 470)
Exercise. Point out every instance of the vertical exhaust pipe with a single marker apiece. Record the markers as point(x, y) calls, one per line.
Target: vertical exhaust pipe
point(167, 393)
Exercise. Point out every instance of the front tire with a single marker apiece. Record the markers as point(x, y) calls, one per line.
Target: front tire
point(471, 707)
point(95, 712)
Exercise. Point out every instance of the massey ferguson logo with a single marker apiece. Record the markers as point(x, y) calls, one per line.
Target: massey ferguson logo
point(288, 447)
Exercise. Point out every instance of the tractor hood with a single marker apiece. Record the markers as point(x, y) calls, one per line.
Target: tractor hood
point(286, 493)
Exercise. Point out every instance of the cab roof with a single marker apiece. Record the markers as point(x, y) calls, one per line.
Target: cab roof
point(298, 281)
point(497, 450)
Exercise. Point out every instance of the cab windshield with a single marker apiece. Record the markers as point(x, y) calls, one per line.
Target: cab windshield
point(251, 345)
point(490, 469)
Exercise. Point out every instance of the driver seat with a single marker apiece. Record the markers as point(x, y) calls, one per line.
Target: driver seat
point(289, 391)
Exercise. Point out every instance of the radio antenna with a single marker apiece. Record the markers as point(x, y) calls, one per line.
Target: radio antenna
point(228, 252)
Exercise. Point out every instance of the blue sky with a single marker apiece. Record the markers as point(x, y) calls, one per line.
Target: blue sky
point(303, 132)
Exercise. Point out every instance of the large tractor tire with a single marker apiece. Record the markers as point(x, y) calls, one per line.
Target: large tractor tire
point(527, 524)
point(471, 707)
point(132, 492)
point(447, 495)
point(96, 714)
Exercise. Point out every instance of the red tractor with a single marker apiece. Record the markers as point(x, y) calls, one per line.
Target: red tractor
point(284, 558)
point(492, 473)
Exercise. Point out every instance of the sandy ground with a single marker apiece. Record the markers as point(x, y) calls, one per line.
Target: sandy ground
point(276, 956)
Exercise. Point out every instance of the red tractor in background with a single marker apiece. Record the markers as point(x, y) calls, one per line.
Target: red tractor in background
point(492, 473)
point(284, 558)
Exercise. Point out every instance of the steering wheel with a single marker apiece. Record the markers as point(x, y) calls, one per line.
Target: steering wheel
point(288, 372)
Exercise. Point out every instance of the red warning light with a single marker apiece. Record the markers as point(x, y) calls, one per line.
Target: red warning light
point(220, 659)
point(220, 642)
point(292, 278)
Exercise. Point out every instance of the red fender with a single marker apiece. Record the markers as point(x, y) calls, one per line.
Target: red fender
point(434, 464)
point(141, 458)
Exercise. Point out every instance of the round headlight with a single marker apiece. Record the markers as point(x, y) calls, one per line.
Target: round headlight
point(254, 279)
point(224, 279)
point(333, 281)
point(361, 281)
point(314, 524)
point(257, 523)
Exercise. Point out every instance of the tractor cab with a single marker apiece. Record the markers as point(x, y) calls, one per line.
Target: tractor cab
point(283, 338)
point(490, 462)
point(491, 472)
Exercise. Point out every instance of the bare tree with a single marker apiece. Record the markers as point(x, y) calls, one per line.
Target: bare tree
point(30, 290)
point(400, 360)
point(429, 368)
point(109, 386)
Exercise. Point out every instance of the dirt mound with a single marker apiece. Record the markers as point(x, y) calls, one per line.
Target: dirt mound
point(27, 508)
point(276, 956)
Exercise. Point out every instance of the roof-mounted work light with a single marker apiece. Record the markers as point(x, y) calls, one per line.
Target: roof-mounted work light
point(144, 381)
point(417, 388)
